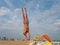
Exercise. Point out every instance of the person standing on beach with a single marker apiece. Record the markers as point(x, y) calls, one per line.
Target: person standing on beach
point(26, 24)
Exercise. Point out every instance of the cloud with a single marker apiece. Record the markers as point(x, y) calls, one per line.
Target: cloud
point(4, 11)
point(12, 21)
point(57, 22)
point(10, 5)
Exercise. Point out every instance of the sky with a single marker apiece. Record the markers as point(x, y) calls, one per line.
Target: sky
point(44, 18)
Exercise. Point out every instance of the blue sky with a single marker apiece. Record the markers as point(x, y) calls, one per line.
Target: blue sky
point(44, 18)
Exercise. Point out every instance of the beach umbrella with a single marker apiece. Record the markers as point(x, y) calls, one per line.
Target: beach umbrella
point(47, 43)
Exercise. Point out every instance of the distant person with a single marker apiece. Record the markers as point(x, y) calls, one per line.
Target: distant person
point(26, 23)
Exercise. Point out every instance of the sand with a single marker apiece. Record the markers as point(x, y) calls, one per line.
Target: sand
point(9, 42)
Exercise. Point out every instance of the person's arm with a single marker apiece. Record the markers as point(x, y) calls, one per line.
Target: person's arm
point(23, 14)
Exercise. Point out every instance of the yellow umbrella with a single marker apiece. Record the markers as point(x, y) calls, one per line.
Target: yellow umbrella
point(30, 44)
point(47, 43)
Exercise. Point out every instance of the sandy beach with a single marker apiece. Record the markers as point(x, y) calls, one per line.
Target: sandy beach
point(9, 42)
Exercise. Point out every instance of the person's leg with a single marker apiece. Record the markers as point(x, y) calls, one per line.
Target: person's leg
point(26, 14)
point(46, 37)
point(41, 38)
point(23, 15)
